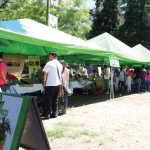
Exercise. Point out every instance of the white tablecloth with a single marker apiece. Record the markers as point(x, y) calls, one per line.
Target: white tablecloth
point(27, 88)
point(76, 84)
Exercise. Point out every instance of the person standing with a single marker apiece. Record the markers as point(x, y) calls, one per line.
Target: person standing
point(148, 80)
point(128, 79)
point(3, 74)
point(65, 76)
point(121, 79)
point(85, 73)
point(116, 76)
point(52, 81)
point(138, 79)
point(143, 79)
point(107, 79)
point(33, 74)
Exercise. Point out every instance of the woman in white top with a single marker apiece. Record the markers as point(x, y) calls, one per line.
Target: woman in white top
point(107, 79)
point(65, 76)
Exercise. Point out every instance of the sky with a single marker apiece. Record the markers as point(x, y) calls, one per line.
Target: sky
point(90, 4)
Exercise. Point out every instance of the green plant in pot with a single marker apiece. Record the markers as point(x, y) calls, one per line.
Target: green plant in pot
point(4, 129)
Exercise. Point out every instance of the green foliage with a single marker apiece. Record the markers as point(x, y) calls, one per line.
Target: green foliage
point(136, 28)
point(19, 9)
point(105, 20)
point(73, 18)
point(4, 128)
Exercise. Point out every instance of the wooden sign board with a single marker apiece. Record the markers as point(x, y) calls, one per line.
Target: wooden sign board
point(20, 124)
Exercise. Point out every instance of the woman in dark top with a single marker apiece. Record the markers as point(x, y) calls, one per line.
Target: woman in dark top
point(138, 79)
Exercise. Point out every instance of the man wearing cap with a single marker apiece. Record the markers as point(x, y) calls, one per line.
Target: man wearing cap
point(52, 81)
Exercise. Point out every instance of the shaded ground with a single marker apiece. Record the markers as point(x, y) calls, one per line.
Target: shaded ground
point(96, 123)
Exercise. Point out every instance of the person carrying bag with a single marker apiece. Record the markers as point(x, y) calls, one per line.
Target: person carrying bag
point(65, 81)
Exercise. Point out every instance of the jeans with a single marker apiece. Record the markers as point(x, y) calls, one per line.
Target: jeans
point(148, 85)
point(128, 82)
point(116, 83)
point(107, 85)
point(138, 84)
point(143, 84)
point(65, 100)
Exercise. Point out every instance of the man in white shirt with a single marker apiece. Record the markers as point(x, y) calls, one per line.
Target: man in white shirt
point(52, 81)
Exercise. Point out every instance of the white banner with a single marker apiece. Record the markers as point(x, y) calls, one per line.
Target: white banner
point(114, 62)
point(53, 21)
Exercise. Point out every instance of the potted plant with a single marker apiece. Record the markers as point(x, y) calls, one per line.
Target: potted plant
point(4, 128)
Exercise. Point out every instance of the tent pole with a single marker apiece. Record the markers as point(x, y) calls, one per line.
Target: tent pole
point(47, 12)
point(111, 84)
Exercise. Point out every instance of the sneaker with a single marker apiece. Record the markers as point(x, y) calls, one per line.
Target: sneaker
point(53, 116)
point(63, 111)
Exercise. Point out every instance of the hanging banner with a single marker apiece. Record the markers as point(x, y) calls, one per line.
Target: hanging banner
point(114, 62)
point(33, 63)
point(53, 21)
point(15, 64)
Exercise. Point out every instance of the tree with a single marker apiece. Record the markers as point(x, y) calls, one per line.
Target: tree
point(19, 9)
point(136, 28)
point(146, 39)
point(73, 18)
point(105, 20)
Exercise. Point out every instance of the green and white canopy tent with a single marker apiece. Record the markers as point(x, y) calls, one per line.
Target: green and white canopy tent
point(118, 48)
point(27, 37)
point(143, 53)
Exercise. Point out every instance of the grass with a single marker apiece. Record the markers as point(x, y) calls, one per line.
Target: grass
point(59, 130)
point(102, 142)
point(69, 130)
point(88, 133)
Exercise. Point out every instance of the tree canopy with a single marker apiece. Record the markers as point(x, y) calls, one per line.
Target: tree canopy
point(136, 28)
point(18, 9)
point(73, 18)
point(105, 20)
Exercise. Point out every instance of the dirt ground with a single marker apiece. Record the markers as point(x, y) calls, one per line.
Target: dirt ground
point(120, 124)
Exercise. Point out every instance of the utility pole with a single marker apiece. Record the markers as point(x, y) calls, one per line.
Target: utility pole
point(47, 12)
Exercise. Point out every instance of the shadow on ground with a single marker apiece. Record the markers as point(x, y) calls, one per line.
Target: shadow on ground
point(77, 100)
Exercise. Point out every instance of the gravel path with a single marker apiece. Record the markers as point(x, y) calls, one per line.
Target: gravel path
point(119, 124)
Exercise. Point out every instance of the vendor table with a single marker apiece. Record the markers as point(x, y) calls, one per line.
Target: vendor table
point(83, 84)
point(27, 88)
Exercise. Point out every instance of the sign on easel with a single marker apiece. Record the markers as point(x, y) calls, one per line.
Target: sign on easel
point(16, 113)
point(114, 62)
